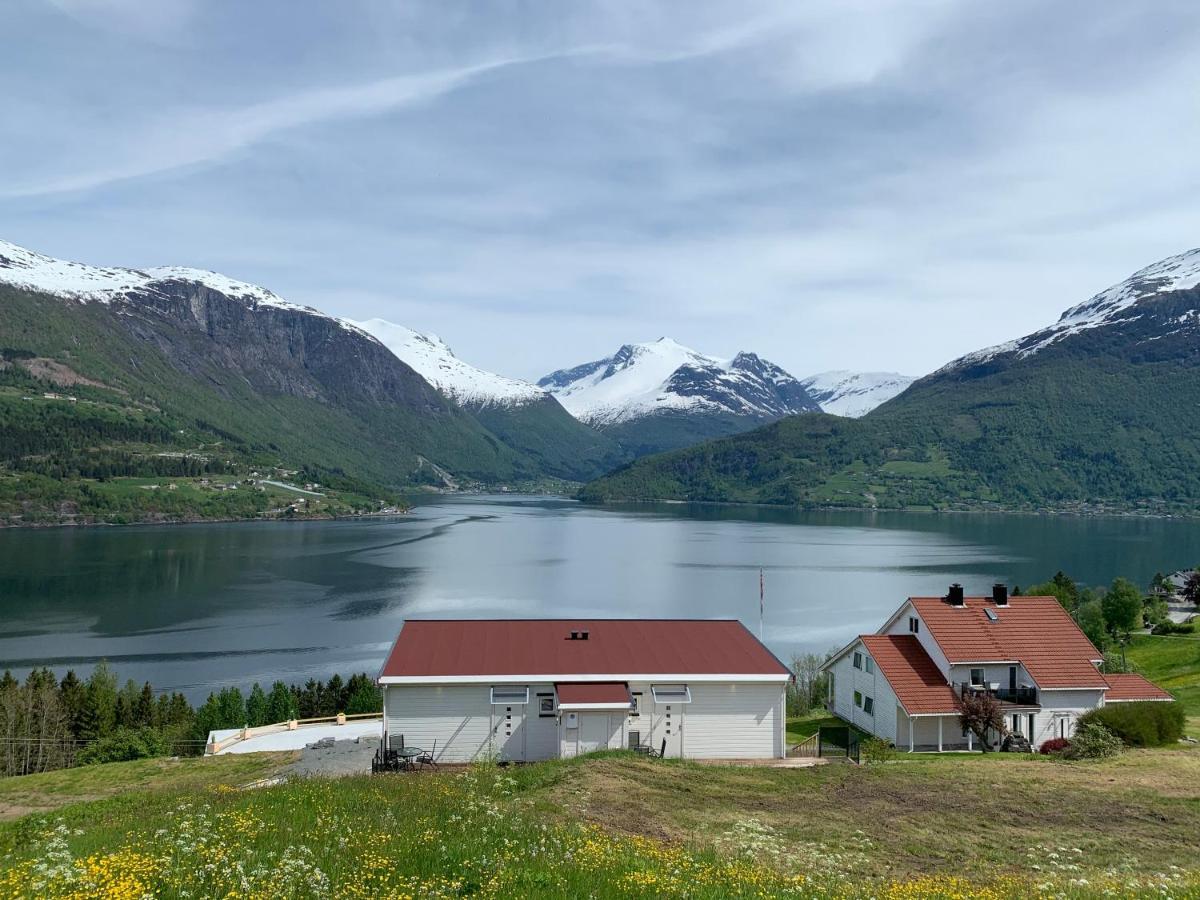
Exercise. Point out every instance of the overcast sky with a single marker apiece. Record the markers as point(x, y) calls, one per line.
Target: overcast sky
point(876, 186)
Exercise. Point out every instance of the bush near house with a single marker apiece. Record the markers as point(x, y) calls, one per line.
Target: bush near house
point(1093, 741)
point(1054, 745)
point(1150, 724)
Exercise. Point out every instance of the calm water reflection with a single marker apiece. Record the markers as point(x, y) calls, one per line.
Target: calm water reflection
point(200, 606)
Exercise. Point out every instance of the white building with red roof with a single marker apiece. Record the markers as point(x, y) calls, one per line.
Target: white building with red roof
point(904, 683)
point(530, 689)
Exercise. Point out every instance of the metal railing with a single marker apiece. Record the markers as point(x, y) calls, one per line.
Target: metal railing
point(1022, 696)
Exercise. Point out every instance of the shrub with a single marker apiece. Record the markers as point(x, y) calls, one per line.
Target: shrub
point(122, 745)
point(1054, 745)
point(876, 750)
point(1147, 724)
point(1173, 628)
point(1093, 741)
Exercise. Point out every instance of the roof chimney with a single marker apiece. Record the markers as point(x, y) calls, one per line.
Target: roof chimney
point(1000, 594)
point(955, 597)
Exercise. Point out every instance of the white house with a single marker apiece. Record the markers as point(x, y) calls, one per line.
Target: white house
point(903, 683)
point(530, 689)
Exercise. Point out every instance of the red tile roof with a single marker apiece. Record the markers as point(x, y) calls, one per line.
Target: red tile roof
point(914, 677)
point(1124, 688)
point(575, 694)
point(1036, 631)
point(428, 648)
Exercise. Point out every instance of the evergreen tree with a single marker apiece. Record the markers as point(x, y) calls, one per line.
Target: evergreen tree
point(364, 698)
point(333, 697)
point(256, 707)
point(208, 718)
point(281, 705)
point(73, 694)
point(310, 699)
point(231, 708)
point(143, 713)
point(99, 716)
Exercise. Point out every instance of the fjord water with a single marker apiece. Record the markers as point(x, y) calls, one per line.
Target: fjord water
point(201, 606)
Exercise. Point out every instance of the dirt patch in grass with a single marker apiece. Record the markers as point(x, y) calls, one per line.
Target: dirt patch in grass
point(931, 816)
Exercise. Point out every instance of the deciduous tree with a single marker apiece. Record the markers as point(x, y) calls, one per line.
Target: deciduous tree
point(981, 713)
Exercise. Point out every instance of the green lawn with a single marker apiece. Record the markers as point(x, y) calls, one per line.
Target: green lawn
point(1172, 662)
point(619, 825)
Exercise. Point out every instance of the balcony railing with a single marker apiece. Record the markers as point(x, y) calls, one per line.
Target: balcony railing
point(1022, 696)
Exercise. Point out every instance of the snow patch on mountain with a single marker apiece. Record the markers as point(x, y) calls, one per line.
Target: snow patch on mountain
point(433, 359)
point(1175, 273)
point(854, 394)
point(663, 375)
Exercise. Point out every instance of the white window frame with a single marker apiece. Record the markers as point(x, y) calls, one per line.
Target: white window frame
point(509, 695)
point(635, 704)
point(870, 665)
point(868, 706)
point(858, 699)
point(982, 678)
point(671, 693)
point(914, 624)
point(857, 661)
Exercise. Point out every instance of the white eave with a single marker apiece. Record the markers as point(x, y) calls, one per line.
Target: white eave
point(541, 678)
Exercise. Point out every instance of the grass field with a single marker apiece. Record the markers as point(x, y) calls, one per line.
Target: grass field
point(615, 825)
point(51, 790)
point(1172, 662)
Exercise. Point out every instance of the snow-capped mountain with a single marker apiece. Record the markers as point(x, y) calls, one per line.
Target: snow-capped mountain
point(437, 364)
point(103, 284)
point(642, 380)
point(854, 394)
point(1116, 304)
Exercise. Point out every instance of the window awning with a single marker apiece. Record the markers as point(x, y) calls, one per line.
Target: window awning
point(601, 695)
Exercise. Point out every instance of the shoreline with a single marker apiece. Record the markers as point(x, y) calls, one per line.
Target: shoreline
point(1066, 513)
point(218, 520)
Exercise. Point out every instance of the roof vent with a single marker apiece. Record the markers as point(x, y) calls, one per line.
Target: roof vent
point(579, 636)
point(1000, 594)
point(955, 597)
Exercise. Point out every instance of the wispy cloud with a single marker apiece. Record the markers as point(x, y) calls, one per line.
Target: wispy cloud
point(198, 136)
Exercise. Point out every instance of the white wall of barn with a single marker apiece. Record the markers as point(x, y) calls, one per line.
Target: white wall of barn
point(724, 720)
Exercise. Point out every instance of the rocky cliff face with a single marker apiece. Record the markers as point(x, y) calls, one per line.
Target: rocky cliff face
point(275, 349)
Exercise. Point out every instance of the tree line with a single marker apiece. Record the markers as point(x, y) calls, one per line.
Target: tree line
point(50, 724)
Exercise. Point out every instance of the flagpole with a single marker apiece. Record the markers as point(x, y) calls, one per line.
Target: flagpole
point(760, 603)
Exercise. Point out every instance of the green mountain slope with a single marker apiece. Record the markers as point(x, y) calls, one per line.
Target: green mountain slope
point(1101, 409)
point(189, 381)
point(555, 442)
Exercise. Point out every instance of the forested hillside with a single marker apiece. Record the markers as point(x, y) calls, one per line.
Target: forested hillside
point(1103, 414)
point(188, 382)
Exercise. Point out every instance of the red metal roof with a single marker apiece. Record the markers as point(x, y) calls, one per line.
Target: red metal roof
point(428, 648)
point(914, 677)
point(593, 692)
point(1131, 687)
point(1036, 631)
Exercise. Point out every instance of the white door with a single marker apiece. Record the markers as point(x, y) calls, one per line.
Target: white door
point(593, 732)
point(508, 731)
point(668, 726)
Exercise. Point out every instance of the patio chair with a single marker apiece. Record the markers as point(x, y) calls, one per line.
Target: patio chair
point(427, 756)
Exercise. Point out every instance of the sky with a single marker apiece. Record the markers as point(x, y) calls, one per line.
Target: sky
point(833, 185)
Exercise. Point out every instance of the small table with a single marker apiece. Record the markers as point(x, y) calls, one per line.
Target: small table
point(407, 755)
